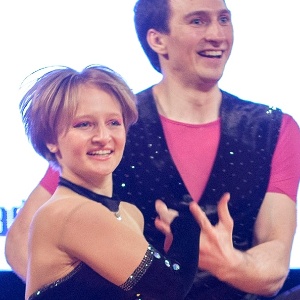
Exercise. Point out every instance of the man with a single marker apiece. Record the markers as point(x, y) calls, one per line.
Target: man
point(196, 142)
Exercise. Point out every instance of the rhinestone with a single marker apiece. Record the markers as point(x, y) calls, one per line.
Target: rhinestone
point(167, 263)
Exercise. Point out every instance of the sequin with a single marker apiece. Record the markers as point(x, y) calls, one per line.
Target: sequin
point(139, 271)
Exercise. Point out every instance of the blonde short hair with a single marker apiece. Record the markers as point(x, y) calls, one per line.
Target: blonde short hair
point(49, 105)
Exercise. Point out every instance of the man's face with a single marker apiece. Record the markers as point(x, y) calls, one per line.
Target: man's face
point(200, 40)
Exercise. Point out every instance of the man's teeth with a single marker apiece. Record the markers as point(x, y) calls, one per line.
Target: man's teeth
point(212, 53)
point(101, 152)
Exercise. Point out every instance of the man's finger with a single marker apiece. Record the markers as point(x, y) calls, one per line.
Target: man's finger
point(223, 211)
point(200, 216)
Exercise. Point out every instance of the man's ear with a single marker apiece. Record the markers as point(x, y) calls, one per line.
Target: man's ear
point(156, 41)
point(52, 148)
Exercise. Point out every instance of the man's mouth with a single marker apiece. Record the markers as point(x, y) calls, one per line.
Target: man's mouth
point(211, 53)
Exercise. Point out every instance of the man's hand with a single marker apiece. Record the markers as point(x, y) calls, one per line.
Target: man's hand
point(260, 269)
point(216, 247)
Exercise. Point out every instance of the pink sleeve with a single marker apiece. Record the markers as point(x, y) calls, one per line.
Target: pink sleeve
point(50, 180)
point(285, 172)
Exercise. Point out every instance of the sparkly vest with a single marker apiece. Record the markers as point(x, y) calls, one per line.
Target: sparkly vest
point(249, 134)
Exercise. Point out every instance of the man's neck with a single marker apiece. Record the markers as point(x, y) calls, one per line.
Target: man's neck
point(188, 105)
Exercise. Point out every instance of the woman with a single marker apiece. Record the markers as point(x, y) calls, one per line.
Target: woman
point(84, 243)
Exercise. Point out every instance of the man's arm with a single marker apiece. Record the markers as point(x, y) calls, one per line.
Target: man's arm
point(16, 251)
point(263, 268)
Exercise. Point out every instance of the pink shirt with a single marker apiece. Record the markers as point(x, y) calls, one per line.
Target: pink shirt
point(194, 159)
point(50, 180)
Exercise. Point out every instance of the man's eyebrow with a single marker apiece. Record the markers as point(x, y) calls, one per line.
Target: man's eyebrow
point(225, 11)
point(207, 12)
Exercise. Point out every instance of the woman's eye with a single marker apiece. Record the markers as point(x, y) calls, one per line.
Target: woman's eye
point(82, 125)
point(115, 123)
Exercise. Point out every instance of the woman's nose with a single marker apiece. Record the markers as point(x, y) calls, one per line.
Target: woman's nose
point(102, 135)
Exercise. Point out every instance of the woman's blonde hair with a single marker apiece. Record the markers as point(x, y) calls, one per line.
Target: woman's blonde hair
point(49, 105)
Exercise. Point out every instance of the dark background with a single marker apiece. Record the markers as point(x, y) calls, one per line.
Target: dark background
point(12, 287)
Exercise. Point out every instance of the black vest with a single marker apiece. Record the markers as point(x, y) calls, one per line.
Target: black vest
point(249, 134)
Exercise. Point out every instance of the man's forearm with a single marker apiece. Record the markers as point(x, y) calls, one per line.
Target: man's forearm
point(16, 253)
point(16, 246)
point(261, 270)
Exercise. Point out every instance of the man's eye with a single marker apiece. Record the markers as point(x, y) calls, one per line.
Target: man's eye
point(224, 20)
point(197, 21)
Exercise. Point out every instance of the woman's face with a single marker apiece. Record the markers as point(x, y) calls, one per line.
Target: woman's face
point(92, 147)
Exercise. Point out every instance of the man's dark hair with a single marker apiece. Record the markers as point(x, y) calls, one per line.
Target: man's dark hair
point(151, 14)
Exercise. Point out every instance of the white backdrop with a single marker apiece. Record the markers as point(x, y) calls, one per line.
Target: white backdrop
point(263, 67)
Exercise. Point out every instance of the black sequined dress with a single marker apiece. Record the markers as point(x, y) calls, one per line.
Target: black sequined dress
point(159, 276)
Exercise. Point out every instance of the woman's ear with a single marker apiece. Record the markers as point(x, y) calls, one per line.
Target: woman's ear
point(156, 41)
point(52, 148)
